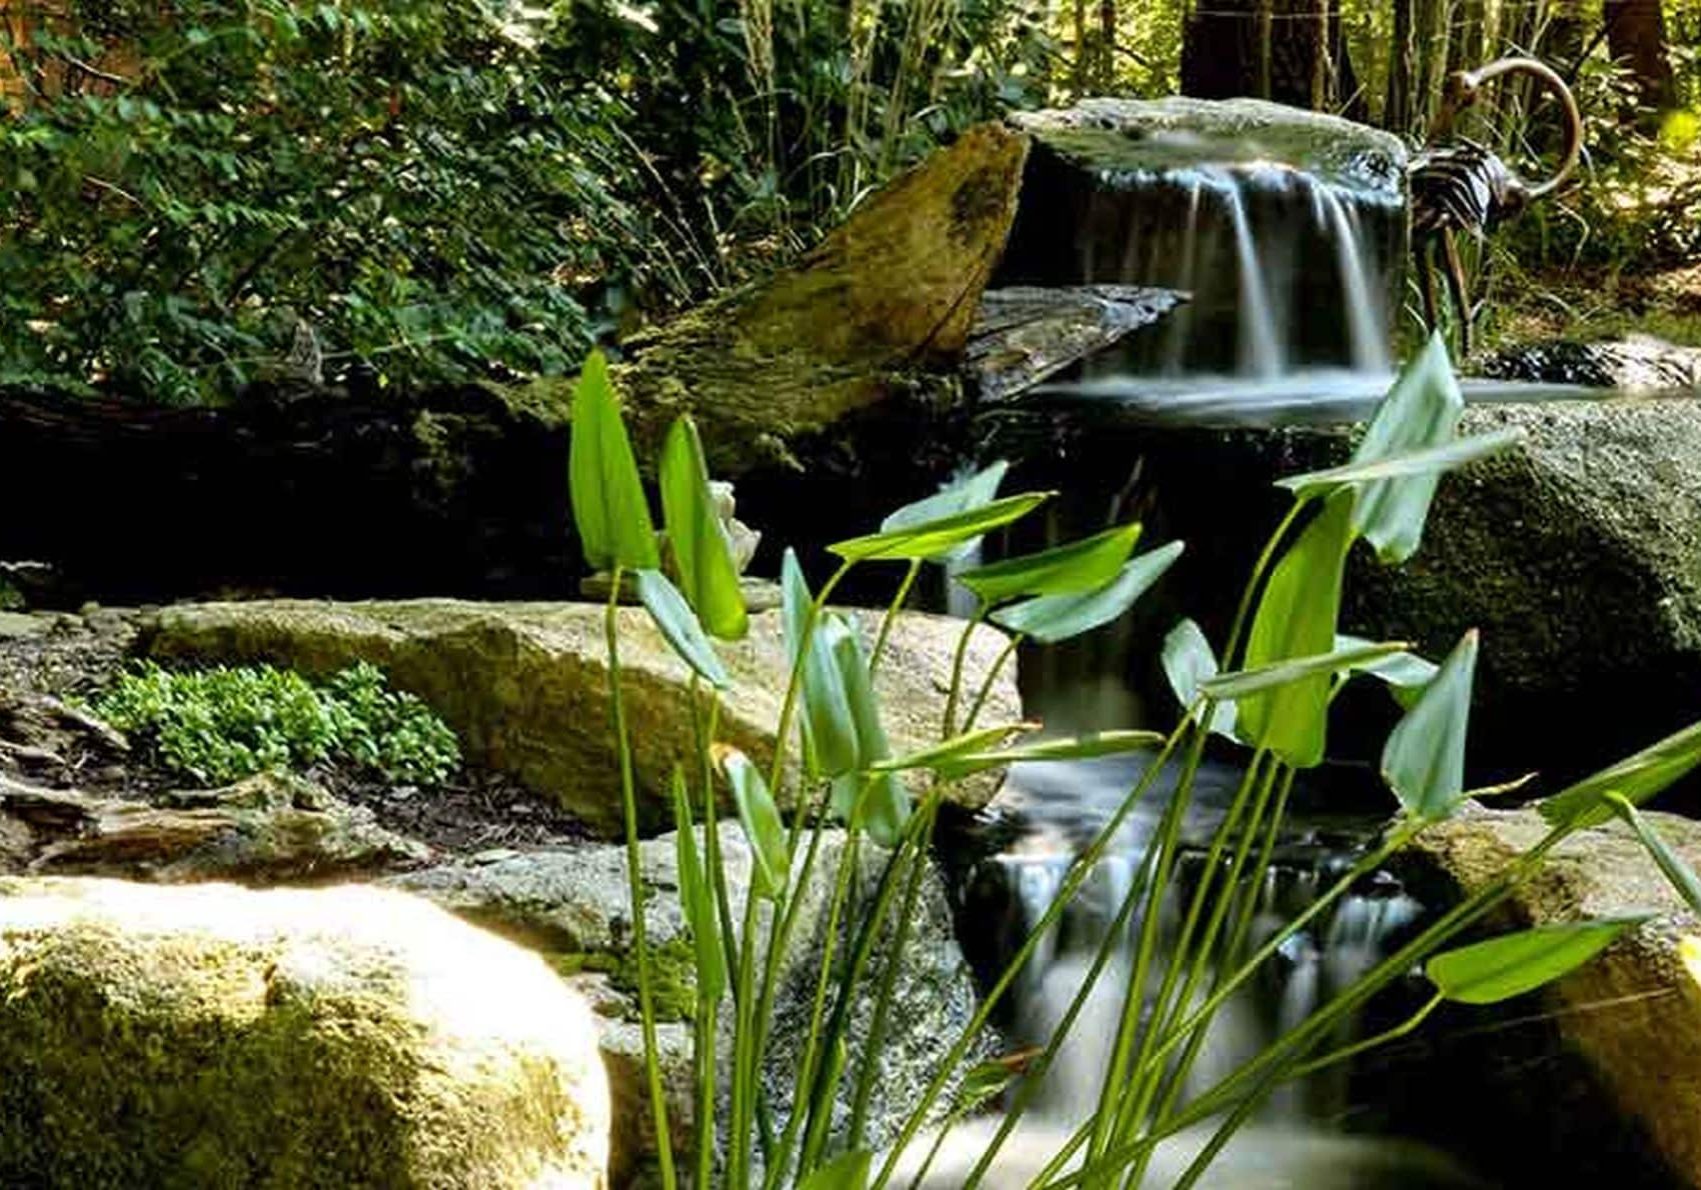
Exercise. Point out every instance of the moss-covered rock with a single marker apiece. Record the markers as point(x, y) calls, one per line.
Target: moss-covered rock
point(211, 1036)
point(1634, 1013)
point(525, 686)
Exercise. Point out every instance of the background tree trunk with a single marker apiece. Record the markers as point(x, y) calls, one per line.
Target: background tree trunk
point(1290, 51)
point(1397, 113)
point(1636, 35)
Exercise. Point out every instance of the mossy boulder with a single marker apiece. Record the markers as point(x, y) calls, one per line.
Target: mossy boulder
point(525, 685)
point(211, 1036)
point(1633, 1015)
point(573, 906)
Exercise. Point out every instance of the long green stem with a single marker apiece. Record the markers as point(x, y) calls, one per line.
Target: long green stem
point(635, 882)
point(994, 996)
point(957, 662)
point(986, 687)
point(1255, 583)
point(891, 616)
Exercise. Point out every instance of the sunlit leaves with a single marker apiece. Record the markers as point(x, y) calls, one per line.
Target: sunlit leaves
point(1296, 618)
point(1500, 968)
point(760, 817)
point(847, 1171)
point(1189, 662)
point(930, 539)
point(1052, 618)
point(1083, 747)
point(1378, 475)
point(1079, 566)
point(1635, 779)
point(979, 740)
point(1678, 874)
point(678, 624)
point(707, 576)
point(608, 499)
point(965, 495)
point(829, 732)
point(1424, 759)
point(882, 805)
point(1250, 682)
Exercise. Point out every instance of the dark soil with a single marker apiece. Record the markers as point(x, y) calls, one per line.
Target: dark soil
point(52, 661)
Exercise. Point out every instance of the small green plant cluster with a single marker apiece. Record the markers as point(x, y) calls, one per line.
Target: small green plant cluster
point(223, 724)
point(1267, 690)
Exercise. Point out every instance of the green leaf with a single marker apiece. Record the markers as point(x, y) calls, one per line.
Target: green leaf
point(933, 538)
point(1190, 662)
point(1296, 619)
point(1496, 970)
point(696, 898)
point(847, 1171)
point(1424, 759)
point(608, 498)
point(1678, 873)
point(1405, 674)
point(1421, 410)
point(1249, 683)
point(1430, 461)
point(1052, 618)
point(760, 818)
point(678, 624)
point(1635, 779)
point(1082, 747)
point(1078, 566)
point(707, 574)
point(974, 491)
point(975, 741)
point(883, 804)
point(984, 1082)
point(829, 730)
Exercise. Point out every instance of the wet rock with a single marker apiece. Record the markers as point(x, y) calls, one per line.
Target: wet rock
point(524, 685)
point(1636, 364)
point(266, 829)
point(1633, 1015)
point(574, 904)
point(214, 1036)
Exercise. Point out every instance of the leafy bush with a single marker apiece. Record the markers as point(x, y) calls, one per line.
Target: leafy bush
point(188, 180)
point(223, 724)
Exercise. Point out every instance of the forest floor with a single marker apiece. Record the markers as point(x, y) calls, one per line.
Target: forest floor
point(1588, 305)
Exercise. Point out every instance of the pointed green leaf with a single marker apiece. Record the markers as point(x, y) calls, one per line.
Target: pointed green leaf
point(678, 624)
point(1496, 970)
point(609, 509)
point(1421, 410)
point(883, 804)
point(1082, 747)
point(1424, 759)
point(1405, 674)
point(971, 492)
point(1079, 566)
point(829, 730)
point(1052, 618)
point(847, 1171)
point(1190, 662)
point(1430, 461)
point(933, 538)
point(760, 818)
point(979, 740)
point(1635, 779)
point(1296, 619)
point(707, 575)
point(696, 898)
point(1678, 873)
point(1248, 683)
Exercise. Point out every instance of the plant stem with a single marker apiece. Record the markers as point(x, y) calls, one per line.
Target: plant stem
point(891, 615)
point(635, 881)
point(1255, 581)
point(998, 665)
point(957, 663)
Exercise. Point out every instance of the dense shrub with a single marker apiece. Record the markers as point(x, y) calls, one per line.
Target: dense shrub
point(220, 725)
point(186, 182)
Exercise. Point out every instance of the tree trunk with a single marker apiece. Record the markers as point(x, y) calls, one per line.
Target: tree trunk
point(1431, 29)
point(1289, 51)
point(1465, 49)
point(1107, 46)
point(1636, 35)
point(1398, 112)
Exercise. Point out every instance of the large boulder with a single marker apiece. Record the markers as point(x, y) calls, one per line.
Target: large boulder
point(525, 685)
point(1578, 555)
point(1632, 1016)
point(211, 1036)
point(574, 906)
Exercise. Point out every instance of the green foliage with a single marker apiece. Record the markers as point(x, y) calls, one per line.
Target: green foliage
point(412, 180)
point(1499, 968)
point(220, 725)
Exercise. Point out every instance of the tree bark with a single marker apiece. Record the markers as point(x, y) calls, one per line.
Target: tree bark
point(1399, 110)
point(1636, 36)
point(1289, 51)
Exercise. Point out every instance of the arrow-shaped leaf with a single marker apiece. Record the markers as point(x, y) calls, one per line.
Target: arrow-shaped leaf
point(1496, 970)
point(1424, 759)
point(1079, 566)
point(933, 538)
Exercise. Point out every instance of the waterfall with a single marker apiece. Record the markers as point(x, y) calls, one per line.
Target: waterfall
point(1261, 354)
point(1367, 323)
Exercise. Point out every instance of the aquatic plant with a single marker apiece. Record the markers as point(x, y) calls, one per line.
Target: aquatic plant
point(226, 723)
point(1269, 689)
